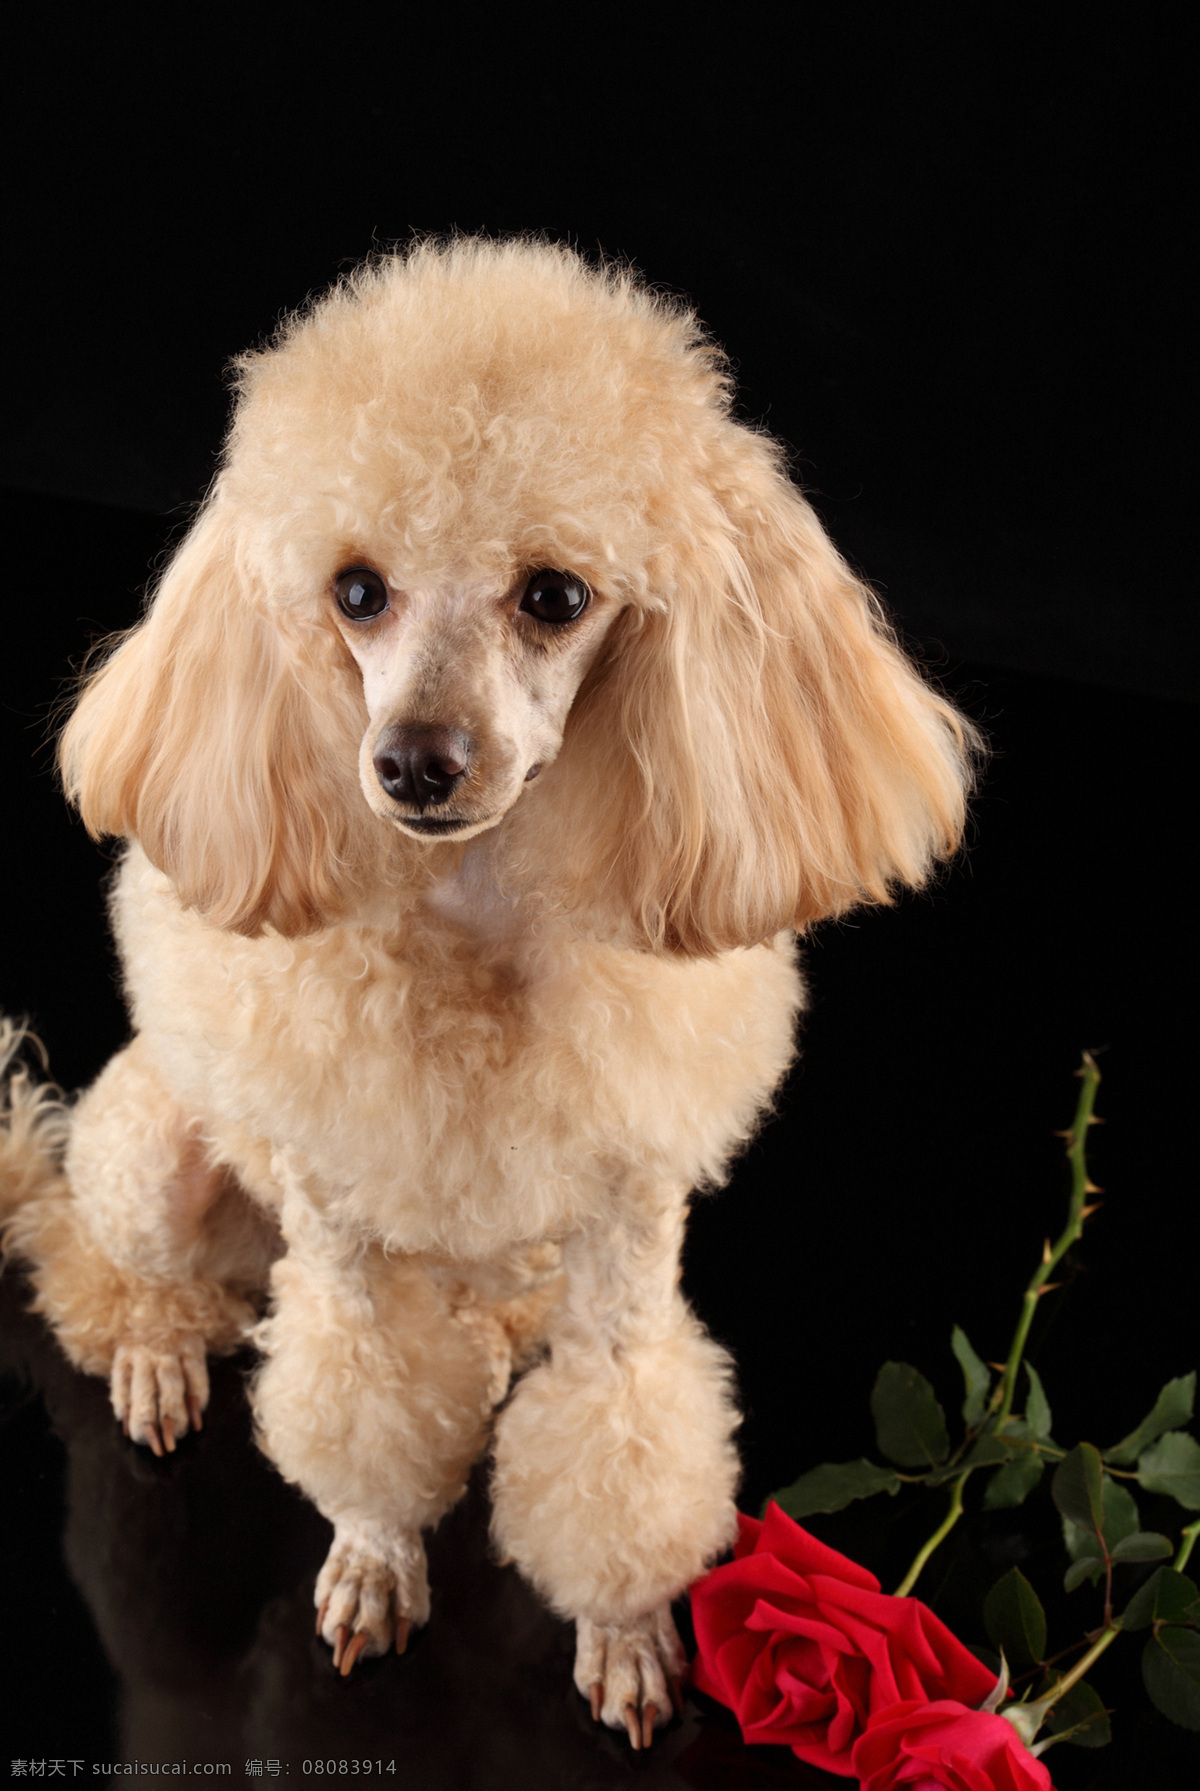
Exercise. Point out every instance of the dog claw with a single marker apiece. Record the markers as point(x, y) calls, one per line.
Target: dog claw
point(158, 1391)
point(371, 1592)
point(631, 1674)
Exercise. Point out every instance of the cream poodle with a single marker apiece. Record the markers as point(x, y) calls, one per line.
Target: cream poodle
point(501, 718)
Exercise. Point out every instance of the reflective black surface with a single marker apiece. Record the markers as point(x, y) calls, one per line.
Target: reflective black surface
point(169, 1619)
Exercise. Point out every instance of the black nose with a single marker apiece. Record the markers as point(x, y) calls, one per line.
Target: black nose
point(421, 766)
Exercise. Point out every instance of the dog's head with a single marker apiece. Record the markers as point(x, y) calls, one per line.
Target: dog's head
point(488, 550)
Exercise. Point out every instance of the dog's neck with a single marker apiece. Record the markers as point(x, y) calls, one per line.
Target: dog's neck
point(498, 892)
point(478, 894)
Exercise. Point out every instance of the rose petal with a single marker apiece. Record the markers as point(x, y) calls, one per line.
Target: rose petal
point(944, 1668)
point(782, 1537)
point(852, 1679)
point(749, 1529)
point(808, 1623)
point(723, 1672)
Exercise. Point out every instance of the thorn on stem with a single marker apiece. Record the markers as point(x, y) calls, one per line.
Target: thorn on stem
point(1048, 1287)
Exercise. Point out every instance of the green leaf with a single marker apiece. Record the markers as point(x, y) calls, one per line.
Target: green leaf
point(910, 1425)
point(1172, 1409)
point(1078, 1488)
point(1172, 1465)
point(987, 1451)
point(1088, 1567)
point(1080, 1718)
point(1037, 1407)
point(1144, 1545)
point(1171, 1670)
point(1015, 1621)
point(833, 1485)
point(1120, 1515)
point(976, 1376)
point(1078, 1541)
point(1166, 1597)
point(1119, 1520)
point(1012, 1485)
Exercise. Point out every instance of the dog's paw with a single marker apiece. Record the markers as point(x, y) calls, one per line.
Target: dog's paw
point(631, 1673)
point(371, 1590)
point(159, 1393)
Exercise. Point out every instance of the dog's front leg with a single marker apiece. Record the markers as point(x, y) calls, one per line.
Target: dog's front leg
point(615, 1467)
point(131, 1260)
point(375, 1401)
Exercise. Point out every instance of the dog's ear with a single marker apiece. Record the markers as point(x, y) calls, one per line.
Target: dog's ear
point(758, 753)
point(224, 737)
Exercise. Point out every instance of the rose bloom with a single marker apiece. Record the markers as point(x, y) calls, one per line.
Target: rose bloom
point(805, 1649)
point(945, 1747)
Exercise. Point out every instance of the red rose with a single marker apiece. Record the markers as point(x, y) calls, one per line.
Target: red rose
point(935, 1746)
point(804, 1648)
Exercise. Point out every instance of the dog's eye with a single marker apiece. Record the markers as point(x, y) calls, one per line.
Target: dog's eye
point(361, 594)
point(554, 596)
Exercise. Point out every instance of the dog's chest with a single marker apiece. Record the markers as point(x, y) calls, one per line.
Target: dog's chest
point(447, 1091)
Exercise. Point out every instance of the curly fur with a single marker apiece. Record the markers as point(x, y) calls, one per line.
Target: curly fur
point(433, 1065)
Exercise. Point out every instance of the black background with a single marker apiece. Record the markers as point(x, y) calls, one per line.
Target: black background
point(944, 249)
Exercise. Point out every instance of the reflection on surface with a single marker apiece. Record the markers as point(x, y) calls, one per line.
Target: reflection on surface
point(193, 1640)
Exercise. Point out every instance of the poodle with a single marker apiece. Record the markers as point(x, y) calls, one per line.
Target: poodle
point(502, 718)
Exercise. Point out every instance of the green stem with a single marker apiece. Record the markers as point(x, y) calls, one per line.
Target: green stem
point(1080, 1189)
point(1027, 1719)
point(1190, 1533)
point(1083, 1665)
point(939, 1535)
